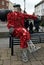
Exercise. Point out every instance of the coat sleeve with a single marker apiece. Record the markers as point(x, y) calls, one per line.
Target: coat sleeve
point(10, 20)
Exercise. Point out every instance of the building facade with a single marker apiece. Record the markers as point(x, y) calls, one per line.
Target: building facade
point(11, 6)
point(39, 9)
point(4, 4)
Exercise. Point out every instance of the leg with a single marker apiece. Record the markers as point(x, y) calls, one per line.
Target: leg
point(23, 44)
point(24, 37)
point(32, 47)
point(24, 55)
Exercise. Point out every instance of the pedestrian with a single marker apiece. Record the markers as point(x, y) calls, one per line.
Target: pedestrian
point(31, 27)
point(36, 23)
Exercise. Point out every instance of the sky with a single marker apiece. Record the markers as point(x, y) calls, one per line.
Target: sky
point(29, 4)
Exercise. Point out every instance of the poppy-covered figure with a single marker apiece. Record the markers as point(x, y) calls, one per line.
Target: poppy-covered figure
point(16, 26)
point(16, 22)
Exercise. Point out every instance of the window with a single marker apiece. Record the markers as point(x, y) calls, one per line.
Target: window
point(7, 4)
point(43, 10)
point(2, 8)
point(2, 2)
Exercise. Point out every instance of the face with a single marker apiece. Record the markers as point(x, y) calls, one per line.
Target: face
point(17, 9)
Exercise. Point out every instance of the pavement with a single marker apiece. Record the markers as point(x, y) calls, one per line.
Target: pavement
point(4, 42)
point(36, 58)
point(3, 27)
point(4, 31)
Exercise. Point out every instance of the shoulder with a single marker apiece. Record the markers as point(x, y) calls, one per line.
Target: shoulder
point(9, 15)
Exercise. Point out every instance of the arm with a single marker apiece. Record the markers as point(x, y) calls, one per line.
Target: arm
point(10, 20)
point(10, 23)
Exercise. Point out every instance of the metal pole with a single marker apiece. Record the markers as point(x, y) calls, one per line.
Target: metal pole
point(24, 6)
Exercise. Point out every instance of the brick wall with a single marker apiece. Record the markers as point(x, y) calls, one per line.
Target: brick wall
point(4, 4)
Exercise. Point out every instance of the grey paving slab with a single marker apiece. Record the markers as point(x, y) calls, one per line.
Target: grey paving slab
point(42, 62)
point(6, 62)
point(3, 27)
point(1, 62)
point(4, 42)
point(40, 58)
point(27, 63)
point(36, 63)
point(16, 63)
point(13, 58)
point(36, 58)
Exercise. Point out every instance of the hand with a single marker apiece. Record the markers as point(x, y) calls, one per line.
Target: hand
point(11, 30)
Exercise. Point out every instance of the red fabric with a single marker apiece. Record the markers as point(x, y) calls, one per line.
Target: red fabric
point(16, 20)
point(33, 17)
point(24, 36)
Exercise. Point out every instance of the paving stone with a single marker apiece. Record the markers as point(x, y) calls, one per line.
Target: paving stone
point(8, 55)
point(32, 59)
point(40, 53)
point(36, 63)
point(16, 63)
point(13, 58)
point(5, 58)
point(6, 62)
point(0, 55)
point(40, 58)
point(42, 62)
point(17, 48)
point(27, 63)
point(14, 53)
point(35, 54)
point(1, 62)
point(42, 45)
point(9, 50)
point(30, 55)
point(19, 58)
point(3, 50)
point(4, 54)
point(36, 58)
point(19, 54)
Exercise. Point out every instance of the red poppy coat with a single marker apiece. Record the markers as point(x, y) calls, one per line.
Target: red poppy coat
point(16, 20)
